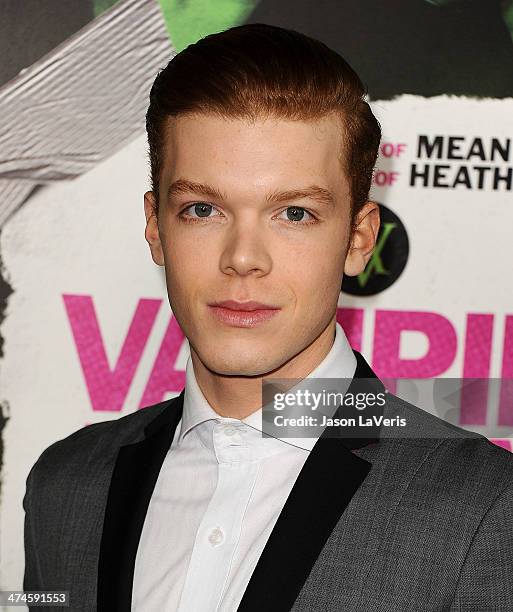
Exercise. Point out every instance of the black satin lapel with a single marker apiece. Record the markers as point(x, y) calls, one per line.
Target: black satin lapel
point(133, 480)
point(330, 477)
point(364, 380)
point(326, 484)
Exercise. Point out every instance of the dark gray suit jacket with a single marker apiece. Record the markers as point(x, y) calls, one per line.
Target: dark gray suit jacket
point(372, 524)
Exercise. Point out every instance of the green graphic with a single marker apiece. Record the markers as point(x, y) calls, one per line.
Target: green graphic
point(102, 5)
point(375, 263)
point(508, 15)
point(189, 20)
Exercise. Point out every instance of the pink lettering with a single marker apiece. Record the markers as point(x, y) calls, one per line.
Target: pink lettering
point(503, 443)
point(387, 338)
point(383, 178)
point(108, 387)
point(164, 377)
point(506, 394)
point(351, 320)
point(391, 149)
point(476, 364)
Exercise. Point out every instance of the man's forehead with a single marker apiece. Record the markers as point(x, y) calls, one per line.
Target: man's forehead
point(327, 126)
point(261, 144)
point(275, 167)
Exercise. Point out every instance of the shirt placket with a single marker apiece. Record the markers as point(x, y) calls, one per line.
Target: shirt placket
point(219, 531)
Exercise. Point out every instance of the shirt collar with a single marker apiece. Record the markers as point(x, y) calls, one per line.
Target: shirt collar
point(340, 362)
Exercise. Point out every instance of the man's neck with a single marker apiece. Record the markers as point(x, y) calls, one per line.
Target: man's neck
point(239, 396)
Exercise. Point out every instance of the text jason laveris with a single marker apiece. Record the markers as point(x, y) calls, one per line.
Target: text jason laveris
point(324, 421)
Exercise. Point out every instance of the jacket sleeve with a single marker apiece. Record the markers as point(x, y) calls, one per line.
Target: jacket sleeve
point(32, 579)
point(486, 578)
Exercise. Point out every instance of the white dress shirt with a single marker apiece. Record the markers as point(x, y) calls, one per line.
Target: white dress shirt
point(219, 493)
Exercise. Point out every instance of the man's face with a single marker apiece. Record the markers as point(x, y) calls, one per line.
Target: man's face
point(243, 247)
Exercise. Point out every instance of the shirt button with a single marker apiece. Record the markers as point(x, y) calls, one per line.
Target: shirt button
point(216, 536)
point(229, 430)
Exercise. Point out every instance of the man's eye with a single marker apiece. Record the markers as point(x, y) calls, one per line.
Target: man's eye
point(295, 215)
point(201, 209)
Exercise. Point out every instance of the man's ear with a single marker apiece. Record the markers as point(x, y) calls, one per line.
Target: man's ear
point(151, 232)
point(363, 239)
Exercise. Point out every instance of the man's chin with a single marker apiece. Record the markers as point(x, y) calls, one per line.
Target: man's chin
point(238, 363)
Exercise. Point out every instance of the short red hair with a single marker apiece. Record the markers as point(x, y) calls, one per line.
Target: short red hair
point(257, 70)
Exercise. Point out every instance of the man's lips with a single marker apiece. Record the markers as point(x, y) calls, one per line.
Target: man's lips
point(249, 306)
point(244, 318)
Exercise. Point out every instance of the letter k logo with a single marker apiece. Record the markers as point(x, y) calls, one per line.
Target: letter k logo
point(375, 264)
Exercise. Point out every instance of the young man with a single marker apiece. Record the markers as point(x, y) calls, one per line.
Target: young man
point(262, 150)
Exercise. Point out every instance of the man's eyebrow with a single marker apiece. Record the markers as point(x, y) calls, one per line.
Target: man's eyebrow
point(181, 186)
point(314, 192)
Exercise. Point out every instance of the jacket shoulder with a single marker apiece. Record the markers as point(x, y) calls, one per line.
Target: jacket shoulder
point(477, 462)
point(76, 449)
point(454, 457)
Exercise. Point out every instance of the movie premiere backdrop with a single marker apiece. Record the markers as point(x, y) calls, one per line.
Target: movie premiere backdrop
point(86, 329)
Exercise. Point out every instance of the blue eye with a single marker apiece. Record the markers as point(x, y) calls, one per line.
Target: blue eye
point(203, 210)
point(298, 210)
